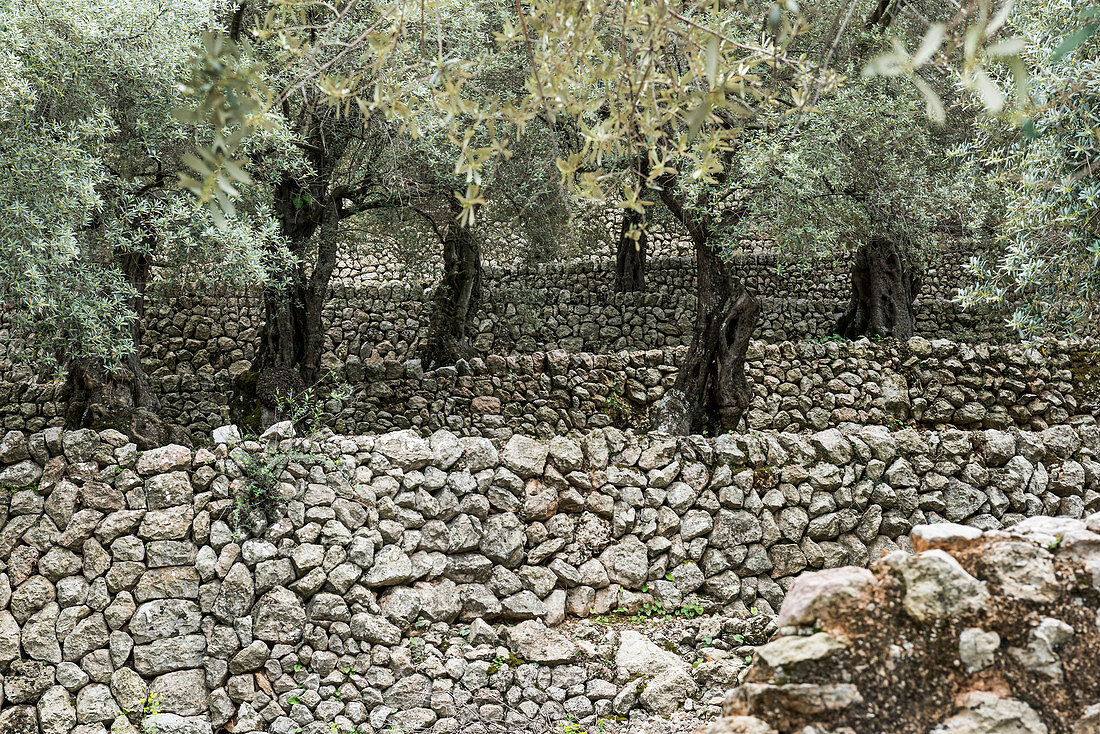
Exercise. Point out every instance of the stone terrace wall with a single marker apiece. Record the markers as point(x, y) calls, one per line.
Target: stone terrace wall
point(124, 577)
point(569, 306)
point(528, 309)
point(374, 261)
point(797, 386)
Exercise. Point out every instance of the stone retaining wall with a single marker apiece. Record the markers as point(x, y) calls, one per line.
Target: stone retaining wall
point(796, 386)
point(364, 600)
point(525, 309)
point(540, 308)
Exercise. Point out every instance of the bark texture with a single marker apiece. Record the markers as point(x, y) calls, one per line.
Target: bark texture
point(884, 13)
point(711, 392)
point(630, 258)
point(100, 398)
point(291, 338)
point(457, 297)
point(884, 287)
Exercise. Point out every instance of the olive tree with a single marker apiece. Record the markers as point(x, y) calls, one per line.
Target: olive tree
point(1045, 272)
point(680, 86)
point(98, 213)
point(378, 169)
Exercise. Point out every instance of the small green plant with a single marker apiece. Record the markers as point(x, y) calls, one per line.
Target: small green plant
point(150, 707)
point(511, 660)
point(570, 726)
point(263, 468)
point(618, 408)
point(828, 338)
point(692, 609)
point(651, 609)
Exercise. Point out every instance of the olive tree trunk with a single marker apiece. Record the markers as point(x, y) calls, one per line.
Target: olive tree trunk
point(884, 288)
point(711, 392)
point(292, 336)
point(120, 398)
point(630, 258)
point(457, 297)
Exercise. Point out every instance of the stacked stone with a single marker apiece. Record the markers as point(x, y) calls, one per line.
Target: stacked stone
point(528, 308)
point(132, 590)
point(576, 294)
point(976, 633)
point(796, 387)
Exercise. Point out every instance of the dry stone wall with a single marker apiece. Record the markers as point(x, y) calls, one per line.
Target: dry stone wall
point(570, 306)
point(796, 387)
point(135, 589)
point(526, 309)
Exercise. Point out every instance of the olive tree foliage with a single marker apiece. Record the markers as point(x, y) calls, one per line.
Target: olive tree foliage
point(388, 173)
point(675, 86)
point(57, 300)
point(1045, 273)
point(867, 171)
point(93, 215)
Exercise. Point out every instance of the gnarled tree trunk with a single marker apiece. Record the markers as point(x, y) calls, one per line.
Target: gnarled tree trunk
point(884, 13)
point(711, 392)
point(291, 338)
point(630, 258)
point(99, 398)
point(883, 291)
point(457, 296)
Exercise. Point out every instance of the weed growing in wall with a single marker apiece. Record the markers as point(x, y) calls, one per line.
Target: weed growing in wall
point(262, 493)
point(146, 714)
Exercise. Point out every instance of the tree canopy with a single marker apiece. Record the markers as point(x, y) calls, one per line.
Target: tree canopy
point(245, 143)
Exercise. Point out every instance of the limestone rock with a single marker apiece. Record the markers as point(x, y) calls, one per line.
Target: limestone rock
point(533, 641)
point(278, 617)
point(23, 475)
point(181, 692)
point(391, 566)
point(627, 562)
point(525, 456)
point(937, 586)
point(405, 449)
point(986, 713)
point(792, 650)
point(976, 648)
point(164, 459)
point(56, 712)
point(813, 594)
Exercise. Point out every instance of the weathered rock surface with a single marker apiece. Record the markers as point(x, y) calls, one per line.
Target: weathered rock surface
point(998, 634)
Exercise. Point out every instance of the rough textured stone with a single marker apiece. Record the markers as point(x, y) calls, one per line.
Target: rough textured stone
point(278, 616)
point(535, 642)
point(525, 456)
point(405, 449)
point(164, 459)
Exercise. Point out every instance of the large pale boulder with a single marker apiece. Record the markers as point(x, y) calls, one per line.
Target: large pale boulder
point(534, 642)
